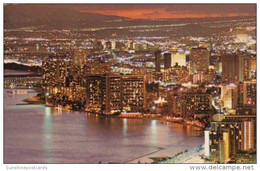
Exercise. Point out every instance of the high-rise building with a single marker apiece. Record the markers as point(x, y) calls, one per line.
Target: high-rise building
point(206, 143)
point(247, 68)
point(178, 58)
point(96, 93)
point(229, 96)
point(224, 136)
point(248, 136)
point(108, 94)
point(192, 103)
point(232, 68)
point(55, 72)
point(114, 94)
point(253, 68)
point(236, 132)
point(157, 55)
point(223, 146)
point(80, 56)
point(221, 151)
point(199, 59)
point(49, 73)
point(226, 142)
point(167, 60)
point(133, 92)
point(249, 93)
point(175, 104)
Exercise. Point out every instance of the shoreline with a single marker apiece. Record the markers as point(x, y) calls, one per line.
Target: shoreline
point(35, 100)
point(195, 159)
point(166, 153)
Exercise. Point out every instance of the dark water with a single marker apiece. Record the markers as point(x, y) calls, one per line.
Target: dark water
point(39, 134)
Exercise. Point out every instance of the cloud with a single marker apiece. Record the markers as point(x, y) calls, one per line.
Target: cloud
point(152, 13)
point(162, 11)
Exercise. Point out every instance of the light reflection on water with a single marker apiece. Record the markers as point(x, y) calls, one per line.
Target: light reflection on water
point(39, 134)
point(47, 132)
point(154, 131)
point(124, 141)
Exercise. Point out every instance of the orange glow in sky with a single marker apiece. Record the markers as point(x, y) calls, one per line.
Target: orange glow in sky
point(161, 14)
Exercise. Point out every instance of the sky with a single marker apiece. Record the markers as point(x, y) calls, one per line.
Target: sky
point(167, 11)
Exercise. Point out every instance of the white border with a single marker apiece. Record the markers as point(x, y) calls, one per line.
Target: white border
point(170, 167)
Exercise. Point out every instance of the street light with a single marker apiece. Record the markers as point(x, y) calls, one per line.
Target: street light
point(46, 96)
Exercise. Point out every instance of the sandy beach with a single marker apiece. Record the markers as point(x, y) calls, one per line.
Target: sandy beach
point(195, 159)
point(167, 152)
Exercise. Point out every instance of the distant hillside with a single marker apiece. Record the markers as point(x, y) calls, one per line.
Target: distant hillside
point(51, 16)
point(20, 67)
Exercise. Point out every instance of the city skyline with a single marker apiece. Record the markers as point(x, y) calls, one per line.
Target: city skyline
point(130, 83)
